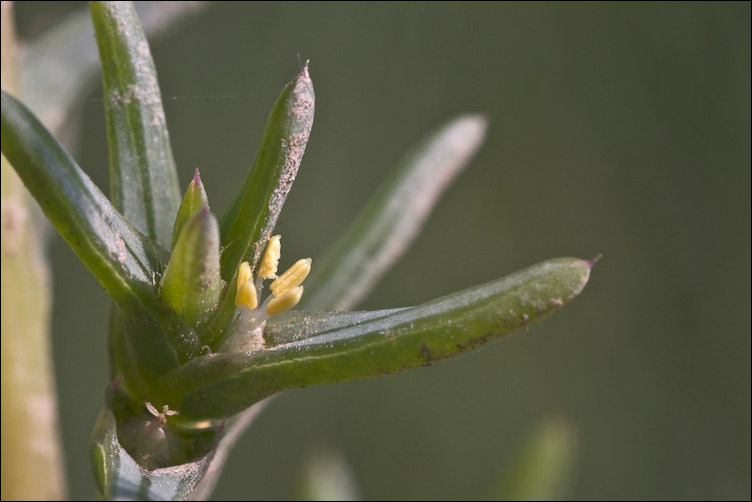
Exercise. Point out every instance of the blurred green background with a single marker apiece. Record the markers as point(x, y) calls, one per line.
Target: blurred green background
point(617, 129)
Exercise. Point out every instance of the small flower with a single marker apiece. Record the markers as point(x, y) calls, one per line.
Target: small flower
point(246, 330)
point(162, 416)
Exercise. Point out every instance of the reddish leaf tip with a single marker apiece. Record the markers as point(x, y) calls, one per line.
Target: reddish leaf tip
point(591, 262)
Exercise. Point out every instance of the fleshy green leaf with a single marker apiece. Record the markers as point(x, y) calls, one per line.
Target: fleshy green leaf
point(122, 362)
point(143, 178)
point(191, 283)
point(286, 329)
point(393, 217)
point(123, 260)
point(120, 476)
point(193, 200)
point(250, 219)
point(219, 385)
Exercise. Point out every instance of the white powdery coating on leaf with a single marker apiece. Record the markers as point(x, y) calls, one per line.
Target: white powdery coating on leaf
point(303, 109)
point(145, 91)
point(111, 12)
point(134, 103)
point(120, 243)
point(293, 148)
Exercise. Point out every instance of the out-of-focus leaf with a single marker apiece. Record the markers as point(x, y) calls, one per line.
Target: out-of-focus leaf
point(393, 217)
point(143, 178)
point(327, 476)
point(61, 66)
point(250, 219)
point(27, 380)
point(218, 385)
point(234, 428)
point(542, 467)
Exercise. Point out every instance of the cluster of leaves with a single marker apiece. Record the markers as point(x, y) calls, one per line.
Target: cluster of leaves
point(170, 268)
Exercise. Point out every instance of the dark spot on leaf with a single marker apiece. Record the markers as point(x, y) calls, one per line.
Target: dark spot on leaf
point(427, 354)
point(475, 342)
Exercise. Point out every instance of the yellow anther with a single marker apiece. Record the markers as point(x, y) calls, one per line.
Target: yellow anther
point(285, 301)
point(270, 260)
point(244, 274)
point(246, 295)
point(293, 276)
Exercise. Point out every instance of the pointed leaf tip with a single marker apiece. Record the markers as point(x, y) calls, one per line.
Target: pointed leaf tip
point(191, 284)
point(251, 217)
point(591, 262)
point(193, 201)
point(309, 348)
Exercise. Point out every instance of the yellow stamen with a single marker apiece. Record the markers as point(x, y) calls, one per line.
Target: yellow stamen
point(244, 274)
point(246, 295)
point(270, 260)
point(285, 301)
point(294, 276)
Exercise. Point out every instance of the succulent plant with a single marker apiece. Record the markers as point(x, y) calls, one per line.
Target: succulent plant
point(195, 339)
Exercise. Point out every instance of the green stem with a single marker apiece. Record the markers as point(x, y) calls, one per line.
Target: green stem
point(32, 467)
